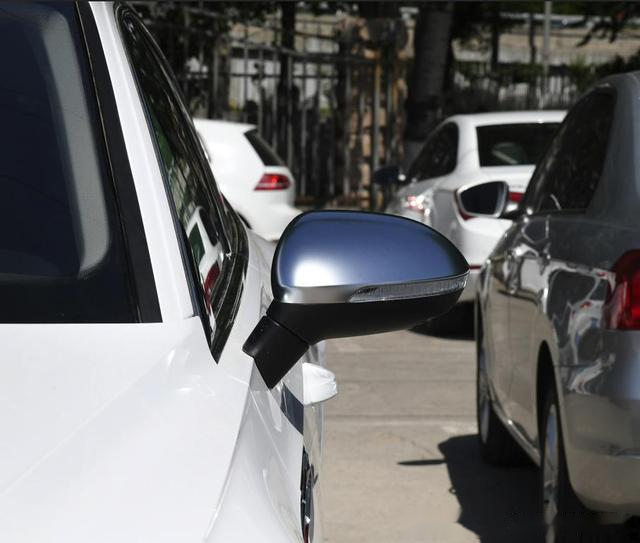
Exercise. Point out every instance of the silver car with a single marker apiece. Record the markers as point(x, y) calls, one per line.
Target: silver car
point(558, 319)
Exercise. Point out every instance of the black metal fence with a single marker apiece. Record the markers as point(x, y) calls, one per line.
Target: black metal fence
point(333, 111)
point(476, 88)
point(333, 115)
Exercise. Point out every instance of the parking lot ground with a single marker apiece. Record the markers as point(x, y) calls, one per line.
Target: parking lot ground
point(401, 462)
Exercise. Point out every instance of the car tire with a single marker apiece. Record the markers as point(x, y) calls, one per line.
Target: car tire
point(566, 519)
point(497, 446)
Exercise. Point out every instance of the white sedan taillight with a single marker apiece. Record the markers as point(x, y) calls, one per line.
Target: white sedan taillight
point(273, 181)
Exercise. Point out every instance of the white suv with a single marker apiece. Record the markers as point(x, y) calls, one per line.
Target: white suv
point(155, 384)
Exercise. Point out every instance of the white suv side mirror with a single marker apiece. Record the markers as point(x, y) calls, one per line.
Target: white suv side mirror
point(483, 200)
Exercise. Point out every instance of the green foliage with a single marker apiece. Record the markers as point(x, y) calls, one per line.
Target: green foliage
point(585, 75)
point(582, 74)
point(619, 65)
point(168, 20)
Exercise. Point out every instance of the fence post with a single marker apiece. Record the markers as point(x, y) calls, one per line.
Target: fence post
point(360, 136)
point(375, 131)
point(303, 130)
point(213, 99)
point(346, 177)
point(260, 74)
point(388, 129)
point(183, 69)
point(289, 106)
point(275, 122)
point(545, 49)
point(245, 86)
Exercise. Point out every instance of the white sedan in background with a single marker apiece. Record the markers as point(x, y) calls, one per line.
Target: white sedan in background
point(253, 178)
point(467, 150)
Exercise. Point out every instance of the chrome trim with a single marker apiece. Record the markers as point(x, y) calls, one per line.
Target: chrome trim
point(410, 289)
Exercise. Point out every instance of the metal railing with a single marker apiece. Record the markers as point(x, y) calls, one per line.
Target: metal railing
point(334, 118)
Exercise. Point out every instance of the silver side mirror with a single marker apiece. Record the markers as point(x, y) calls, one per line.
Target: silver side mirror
point(483, 200)
point(347, 273)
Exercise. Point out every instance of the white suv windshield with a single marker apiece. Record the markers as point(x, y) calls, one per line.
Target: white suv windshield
point(61, 257)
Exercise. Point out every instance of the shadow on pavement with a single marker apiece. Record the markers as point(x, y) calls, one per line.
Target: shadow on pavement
point(466, 334)
point(455, 324)
point(501, 504)
point(497, 504)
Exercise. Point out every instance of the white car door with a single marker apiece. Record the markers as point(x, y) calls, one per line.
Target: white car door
point(265, 471)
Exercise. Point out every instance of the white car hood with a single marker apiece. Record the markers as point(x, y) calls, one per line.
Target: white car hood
point(98, 425)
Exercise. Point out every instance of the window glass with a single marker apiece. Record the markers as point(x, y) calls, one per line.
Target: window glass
point(570, 171)
point(197, 202)
point(61, 248)
point(265, 152)
point(195, 241)
point(514, 144)
point(438, 156)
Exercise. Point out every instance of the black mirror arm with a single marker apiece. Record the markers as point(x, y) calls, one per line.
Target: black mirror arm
point(514, 214)
point(274, 348)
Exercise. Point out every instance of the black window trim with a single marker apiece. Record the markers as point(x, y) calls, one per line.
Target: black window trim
point(235, 241)
point(527, 202)
point(121, 178)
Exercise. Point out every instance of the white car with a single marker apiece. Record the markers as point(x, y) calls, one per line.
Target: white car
point(253, 178)
point(155, 384)
point(467, 150)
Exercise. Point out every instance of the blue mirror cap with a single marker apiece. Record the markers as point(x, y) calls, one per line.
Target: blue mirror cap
point(352, 256)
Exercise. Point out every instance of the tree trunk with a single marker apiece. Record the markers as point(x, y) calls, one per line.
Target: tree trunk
point(532, 39)
point(426, 83)
point(495, 37)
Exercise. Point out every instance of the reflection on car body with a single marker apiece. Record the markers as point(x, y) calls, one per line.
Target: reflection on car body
point(557, 338)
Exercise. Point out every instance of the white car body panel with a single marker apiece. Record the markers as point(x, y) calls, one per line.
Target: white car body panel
point(138, 436)
point(475, 237)
point(237, 169)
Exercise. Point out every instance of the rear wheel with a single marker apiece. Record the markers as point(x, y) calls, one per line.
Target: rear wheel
point(497, 446)
point(565, 518)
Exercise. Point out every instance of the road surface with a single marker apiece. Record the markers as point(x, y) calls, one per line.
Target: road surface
point(401, 462)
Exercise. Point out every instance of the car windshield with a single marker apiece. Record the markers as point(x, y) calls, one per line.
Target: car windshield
point(61, 258)
point(514, 144)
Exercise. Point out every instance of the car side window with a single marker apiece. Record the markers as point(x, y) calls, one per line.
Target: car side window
point(197, 203)
point(438, 157)
point(569, 174)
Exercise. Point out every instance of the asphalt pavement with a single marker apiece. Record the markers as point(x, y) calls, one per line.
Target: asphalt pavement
point(401, 461)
